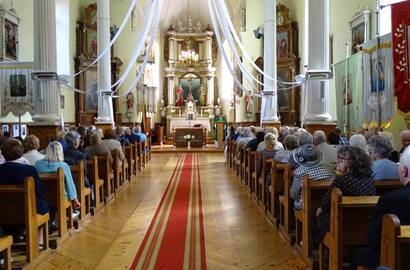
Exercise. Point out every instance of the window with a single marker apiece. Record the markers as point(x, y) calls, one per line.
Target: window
point(226, 76)
point(63, 36)
point(385, 16)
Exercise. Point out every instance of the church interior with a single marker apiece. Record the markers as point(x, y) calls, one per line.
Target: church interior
point(213, 134)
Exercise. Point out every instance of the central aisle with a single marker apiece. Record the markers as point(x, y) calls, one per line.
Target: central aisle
point(237, 235)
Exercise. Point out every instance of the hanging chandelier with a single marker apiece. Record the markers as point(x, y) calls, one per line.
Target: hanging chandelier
point(188, 56)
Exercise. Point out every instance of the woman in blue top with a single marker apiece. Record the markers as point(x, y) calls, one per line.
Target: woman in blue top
point(51, 162)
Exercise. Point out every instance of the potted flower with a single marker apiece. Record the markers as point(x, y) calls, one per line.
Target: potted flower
point(189, 138)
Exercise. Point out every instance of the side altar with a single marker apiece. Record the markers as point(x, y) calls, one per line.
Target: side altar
point(189, 87)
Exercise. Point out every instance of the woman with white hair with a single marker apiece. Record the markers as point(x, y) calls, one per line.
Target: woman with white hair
point(358, 140)
point(53, 160)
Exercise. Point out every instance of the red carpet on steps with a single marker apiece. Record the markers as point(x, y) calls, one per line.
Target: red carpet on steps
point(175, 237)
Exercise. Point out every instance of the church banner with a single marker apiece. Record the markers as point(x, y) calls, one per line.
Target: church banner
point(378, 83)
point(16, 88)
point(400, 37)
point(349, 101)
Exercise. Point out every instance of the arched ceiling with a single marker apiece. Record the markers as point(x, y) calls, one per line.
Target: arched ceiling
point(198, 9)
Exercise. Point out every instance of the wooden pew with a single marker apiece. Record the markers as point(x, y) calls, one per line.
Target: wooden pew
point(279, 172)
point(117, 171)
point(313, 191)
point(105, 173)
point(228, 152)
point(286, 212)
point(349, 219)
point(18, 206)
point(5, 249)
point(141, 149)
point(54, 183)
point(83, 192)
point(232, 154)
point(395, 243)
point(266, 167)
point(97, 183)
point(138, 156)
point(255, 177)
point(128, 153)
point(250, 169)
point(239, 160)
point(149, 145)
point(244, 163)
point(384, 186)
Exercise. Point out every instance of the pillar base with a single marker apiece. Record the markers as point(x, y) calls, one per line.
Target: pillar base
point(327, 127)
point(275, 124)
point(47, 118)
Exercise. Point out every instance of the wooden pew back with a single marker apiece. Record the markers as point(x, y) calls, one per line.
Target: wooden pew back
point(385, 186)
point(18, 206)
point(395, 243)
point(279, 172)
point(129, 155)
point(313, 191)
point(286, 212)
point(95, 182)
point(349, 220)
point(83, 192)
point(104, 173)
point(54, 183)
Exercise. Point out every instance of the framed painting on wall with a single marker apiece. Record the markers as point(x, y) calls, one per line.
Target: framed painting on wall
point(360, 29)
point(91, 86)
point(91, 49)
point(9, 35)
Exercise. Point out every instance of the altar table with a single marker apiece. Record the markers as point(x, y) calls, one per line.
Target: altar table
point(199, 134)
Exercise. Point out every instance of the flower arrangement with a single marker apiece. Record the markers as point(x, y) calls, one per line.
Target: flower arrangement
point(189, 137)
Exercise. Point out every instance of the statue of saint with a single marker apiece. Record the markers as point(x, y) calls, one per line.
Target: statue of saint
point(179, 96)
point(202, 95)
point(130, 102)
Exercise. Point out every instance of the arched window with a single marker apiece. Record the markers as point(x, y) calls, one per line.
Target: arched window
point(226, 76)
point(63, 36)
point(385, 16)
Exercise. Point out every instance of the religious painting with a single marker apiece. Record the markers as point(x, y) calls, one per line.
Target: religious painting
point(283, 92)
point(18, 85)
point(282, 44)
point(360, 29)
point(91, 86)
point(10, 31)
point(23, 131)
point(16, 130)
point(91, 49)
point(190, 84)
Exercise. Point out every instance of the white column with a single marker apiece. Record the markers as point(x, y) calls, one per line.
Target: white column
point(317, 92)
point(210, 91)
point(105, 108)
point(171, 91)
point(269, 108)
point(208, 50)
point(46, 106)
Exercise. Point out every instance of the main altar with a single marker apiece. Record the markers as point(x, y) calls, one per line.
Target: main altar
point(190, 78)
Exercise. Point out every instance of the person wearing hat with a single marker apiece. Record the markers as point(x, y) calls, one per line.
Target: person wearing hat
point(310, 162)
point(355, 167)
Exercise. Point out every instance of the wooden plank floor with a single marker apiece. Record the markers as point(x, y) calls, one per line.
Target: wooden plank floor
point(237, 235)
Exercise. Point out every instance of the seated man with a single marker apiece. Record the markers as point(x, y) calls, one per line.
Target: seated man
point(310, 162)
point(396, 202)
point(12, 172)
point(112, 144)
point(137, 131)
point(131, 137)
point(329, 151)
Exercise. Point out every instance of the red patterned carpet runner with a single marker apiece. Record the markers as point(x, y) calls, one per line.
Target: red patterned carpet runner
point(175, 237)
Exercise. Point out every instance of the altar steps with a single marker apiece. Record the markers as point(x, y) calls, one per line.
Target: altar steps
point(209, 148)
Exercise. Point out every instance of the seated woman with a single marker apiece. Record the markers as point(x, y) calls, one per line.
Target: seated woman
point(31, 145)
point(53, 160)
point(382, 168)
point(96, 148)
point(354, 165)
point(72, 155)
point(269, 151)
point(291, 143)
point(12, 172)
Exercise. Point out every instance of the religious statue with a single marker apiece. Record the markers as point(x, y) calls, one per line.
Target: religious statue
point(202, 95)
point(179, 96)
point(130, 102)
point(249, 103)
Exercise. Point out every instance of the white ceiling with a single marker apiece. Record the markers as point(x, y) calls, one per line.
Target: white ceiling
point(198, 9)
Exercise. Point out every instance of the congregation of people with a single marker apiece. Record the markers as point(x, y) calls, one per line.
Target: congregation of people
point(352, 165)
point(23, 158)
